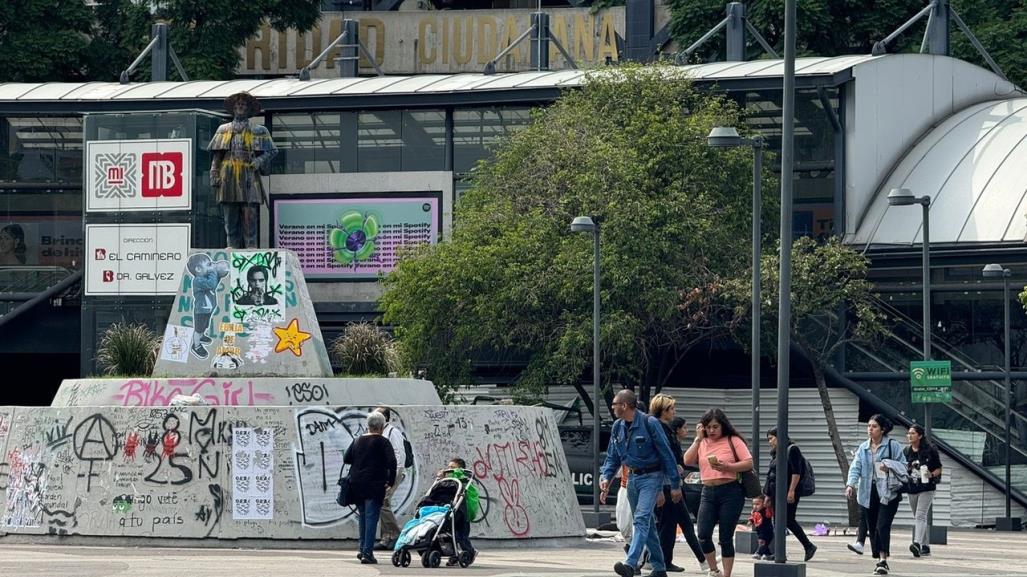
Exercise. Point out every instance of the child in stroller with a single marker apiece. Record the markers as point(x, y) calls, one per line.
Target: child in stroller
point(442, 525)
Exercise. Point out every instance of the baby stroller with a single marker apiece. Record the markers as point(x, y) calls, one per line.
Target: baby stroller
point(432, 532)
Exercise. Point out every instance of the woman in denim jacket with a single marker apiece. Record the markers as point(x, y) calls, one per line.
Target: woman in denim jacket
point(868, 483)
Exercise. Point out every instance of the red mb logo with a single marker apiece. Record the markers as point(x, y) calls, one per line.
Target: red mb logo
point(162, 174)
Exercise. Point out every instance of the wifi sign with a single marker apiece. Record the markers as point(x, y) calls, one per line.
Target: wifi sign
point(930, 381)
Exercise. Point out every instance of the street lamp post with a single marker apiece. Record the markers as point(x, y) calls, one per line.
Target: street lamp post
point(1007, 523)
point(905, 197)
point(727, 137)
point(587, 224)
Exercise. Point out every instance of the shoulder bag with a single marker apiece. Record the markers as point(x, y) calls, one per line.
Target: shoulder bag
point(750, 482)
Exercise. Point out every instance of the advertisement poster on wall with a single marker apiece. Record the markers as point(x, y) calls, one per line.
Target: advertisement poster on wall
point(137, 175)
point(29, 240)
point(131, 259)
point(354, 237)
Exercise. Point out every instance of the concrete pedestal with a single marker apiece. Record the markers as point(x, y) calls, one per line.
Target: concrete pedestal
point(767, 569)
point(746, 542)
point(1007, 524)
point(939, 535)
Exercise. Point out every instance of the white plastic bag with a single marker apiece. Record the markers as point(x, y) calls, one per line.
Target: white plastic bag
point(624, 516)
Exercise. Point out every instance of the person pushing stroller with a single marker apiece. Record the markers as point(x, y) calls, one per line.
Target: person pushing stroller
point(457, 469)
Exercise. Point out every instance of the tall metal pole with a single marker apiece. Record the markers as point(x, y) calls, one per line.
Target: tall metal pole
point(1009, 390)
point(784, 319)
point(757, 313)
point(925, 203)
point(597, 415)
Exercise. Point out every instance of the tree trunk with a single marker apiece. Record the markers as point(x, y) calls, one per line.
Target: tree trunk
point(836, 439)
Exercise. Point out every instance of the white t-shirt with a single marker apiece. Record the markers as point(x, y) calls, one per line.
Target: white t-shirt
point(395, 438)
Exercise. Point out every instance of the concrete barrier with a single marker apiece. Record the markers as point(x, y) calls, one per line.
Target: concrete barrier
point(242, 314)
point(243, 391)
point(264, 472)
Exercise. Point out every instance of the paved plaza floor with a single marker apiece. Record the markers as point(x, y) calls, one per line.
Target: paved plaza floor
point(969, 553)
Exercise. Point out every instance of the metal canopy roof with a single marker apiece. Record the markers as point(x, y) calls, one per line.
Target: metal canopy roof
point(424, 90)
point(972, 166)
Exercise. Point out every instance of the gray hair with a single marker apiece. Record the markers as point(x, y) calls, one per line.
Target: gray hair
point(375, 422)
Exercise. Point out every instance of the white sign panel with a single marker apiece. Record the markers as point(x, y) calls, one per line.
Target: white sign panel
point(135, 175)
point(131, 259)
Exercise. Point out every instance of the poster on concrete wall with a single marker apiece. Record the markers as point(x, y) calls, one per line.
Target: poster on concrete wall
point(354, 237)
point(135, 175)
point(257, 287)
point(252, 473)
point(135, 259)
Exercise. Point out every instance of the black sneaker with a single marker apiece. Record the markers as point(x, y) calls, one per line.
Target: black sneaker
point(810, 552)
point(925, 550)
point(205, 339)
point(623, 570)
point(672, 568)
point(368, 560)
point(882, 568)
point(915, 550)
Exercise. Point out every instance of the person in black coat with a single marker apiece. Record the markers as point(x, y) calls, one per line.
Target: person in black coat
point(372, 470)
point(671, 514)
point(795, 472)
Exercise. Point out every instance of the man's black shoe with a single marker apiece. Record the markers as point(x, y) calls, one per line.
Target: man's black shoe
point(810, 552)
point(383, 546)
point(672, 568)
point(623, 569)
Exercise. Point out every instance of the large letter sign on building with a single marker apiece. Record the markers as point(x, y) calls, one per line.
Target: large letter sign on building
point(931, 381)
point(137, 175)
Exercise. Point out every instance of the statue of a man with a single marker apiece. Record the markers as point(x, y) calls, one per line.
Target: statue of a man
point(241, 154)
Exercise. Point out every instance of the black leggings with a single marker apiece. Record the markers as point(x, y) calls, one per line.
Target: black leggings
point(670, 516)
point(879, 518)
point(794, 526)
point(720, 505)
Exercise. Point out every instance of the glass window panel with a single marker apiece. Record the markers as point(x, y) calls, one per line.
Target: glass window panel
point(380, 141)
point(424, 140)
point(308, 143)
point(477, 131)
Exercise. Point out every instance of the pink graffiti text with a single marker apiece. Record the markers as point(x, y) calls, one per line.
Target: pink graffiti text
point(154, 393)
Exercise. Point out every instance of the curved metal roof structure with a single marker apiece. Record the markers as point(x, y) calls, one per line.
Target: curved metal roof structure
point(384, 90)
point(974, 167)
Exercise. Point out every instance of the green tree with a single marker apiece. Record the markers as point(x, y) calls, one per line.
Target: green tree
point(628, 148)
point(43, 40)
point(832, 306)
point(840, 27)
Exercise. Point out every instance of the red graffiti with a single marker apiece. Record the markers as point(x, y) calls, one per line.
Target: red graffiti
point(170, 442)
point(500, 462)
point(153, 393)
point(131, 444)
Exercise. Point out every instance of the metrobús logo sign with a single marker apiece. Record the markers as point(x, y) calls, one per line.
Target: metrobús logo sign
point(137, 175)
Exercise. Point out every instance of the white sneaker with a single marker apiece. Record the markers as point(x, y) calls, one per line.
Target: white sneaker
point(856, 547)
point(713, 573)
point(704, 567)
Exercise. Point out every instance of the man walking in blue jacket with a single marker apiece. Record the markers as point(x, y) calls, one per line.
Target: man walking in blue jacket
point(638, 441)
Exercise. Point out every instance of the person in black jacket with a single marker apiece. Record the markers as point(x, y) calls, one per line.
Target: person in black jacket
point(924, 467)
point(673, 514)
point(795, 472)
point(372, 470)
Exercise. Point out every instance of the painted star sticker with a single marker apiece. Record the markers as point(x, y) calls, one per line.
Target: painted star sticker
point(291, 338)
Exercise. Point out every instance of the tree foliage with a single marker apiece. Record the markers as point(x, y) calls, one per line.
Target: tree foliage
point(840, 27)
point(64, 40)
point(629, 149)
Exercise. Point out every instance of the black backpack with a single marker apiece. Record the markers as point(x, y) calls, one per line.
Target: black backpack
point(808, 480)
point(408, 461)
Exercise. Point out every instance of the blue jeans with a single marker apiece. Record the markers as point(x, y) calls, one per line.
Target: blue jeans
point(642, 492)
point(241, 222)
point(367, 517)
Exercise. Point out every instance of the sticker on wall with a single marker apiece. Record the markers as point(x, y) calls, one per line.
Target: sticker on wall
point(177, 340)
point(252, 473)
point(260, 342)
point(291, 338)
point(229, 354)
point(257, 287)
point(206, 277)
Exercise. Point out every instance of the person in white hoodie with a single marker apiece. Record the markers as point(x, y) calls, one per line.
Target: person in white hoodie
point(875, 475)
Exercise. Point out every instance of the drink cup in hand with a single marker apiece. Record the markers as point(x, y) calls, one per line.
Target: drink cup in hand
point(925, 475)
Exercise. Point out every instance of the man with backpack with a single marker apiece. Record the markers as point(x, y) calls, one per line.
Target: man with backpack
point(390, 527)
point(800, 484)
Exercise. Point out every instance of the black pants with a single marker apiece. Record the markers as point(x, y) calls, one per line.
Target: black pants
point(720, 505)
point(879, 518)
point(671, 515)
point(463, 532)
point(794, 526)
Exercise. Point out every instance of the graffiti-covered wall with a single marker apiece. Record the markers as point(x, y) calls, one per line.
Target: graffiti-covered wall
point(264, 472)
point(244, 391)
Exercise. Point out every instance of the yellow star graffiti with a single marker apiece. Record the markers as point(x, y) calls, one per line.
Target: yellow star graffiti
point(291, 338)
